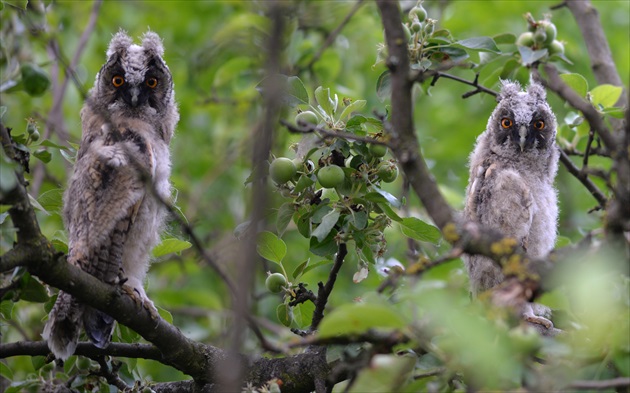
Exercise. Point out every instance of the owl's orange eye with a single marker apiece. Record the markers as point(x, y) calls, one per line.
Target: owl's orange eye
point(152, 82)
point(118, 81)
point(539, 124)
point(506, 123)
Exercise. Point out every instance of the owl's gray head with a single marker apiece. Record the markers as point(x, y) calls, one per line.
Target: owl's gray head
point(135, 79)
point(522, 122)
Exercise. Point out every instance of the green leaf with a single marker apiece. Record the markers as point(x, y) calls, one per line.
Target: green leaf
point(303, 314)
point(6, 372)
point(316, 264)
point(52, 200)
point(605, 96)
point(562, 241)
point(128, 335)
point(386, 373)
point(481, 44)
point(32, 290)
point(384, 86)
point(283, 312)
point(38, 362)
point(170, 245)
point(392, 200)
point(576, 82)
point(353, 107)
point(168, 317)
point(614, 112)
point(296, 90)
point(325, 101)
point(303, 183)
point(328, 223)
point(43, 155)
point(21, 4)
point(529, 56)
point(271, 247)
point(8, 181)
point(285, 213)
point(359, 219)
point(354, 318)
point(326, 248)
point(299, 270)
point(6, 309)
point(420, 230)
point(505, 38)
point(389, 212)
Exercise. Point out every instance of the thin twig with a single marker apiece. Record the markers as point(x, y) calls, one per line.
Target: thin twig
point(325, 290)
point(587, 151)
point(422, 76)
point(333, 34)
point(583, 178)
point(306, 128)
point(600, 385)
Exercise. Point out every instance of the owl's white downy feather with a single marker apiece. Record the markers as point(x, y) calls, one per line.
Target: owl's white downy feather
point(512, 171)
point(112, 217)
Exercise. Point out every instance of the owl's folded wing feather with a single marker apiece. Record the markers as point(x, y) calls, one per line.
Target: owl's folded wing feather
point(505, 203)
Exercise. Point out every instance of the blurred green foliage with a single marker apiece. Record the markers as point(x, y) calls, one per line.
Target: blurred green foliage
point(216, 52)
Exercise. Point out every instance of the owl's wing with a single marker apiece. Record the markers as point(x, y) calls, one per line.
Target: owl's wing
point(503, 200)
point(105, 193)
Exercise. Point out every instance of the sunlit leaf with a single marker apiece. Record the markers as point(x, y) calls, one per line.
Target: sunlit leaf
point(353, 107)
point(170, 245)
point(606, 95)
point(270, 246)
point(576, 82)
point(351, 318)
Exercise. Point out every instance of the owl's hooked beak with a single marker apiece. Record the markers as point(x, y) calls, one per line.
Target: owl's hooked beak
point(522, 134)
point(134, 92)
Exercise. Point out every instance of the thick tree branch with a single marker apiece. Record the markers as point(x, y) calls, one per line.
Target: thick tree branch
point(618, 213)
point(406, 143)
point(597, 46)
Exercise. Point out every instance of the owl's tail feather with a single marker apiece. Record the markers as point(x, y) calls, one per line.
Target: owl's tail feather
point(98, 326)
point(63, 326)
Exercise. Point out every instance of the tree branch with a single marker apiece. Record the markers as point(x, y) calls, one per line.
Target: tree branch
point(583, 178)
point(325, 290)
point(333, 34)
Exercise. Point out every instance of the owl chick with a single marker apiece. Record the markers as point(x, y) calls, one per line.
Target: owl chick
point(112, 216)
point(510, 189)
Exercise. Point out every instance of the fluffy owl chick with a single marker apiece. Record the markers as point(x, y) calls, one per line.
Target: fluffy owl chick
point(112, 217)
point(512, 170)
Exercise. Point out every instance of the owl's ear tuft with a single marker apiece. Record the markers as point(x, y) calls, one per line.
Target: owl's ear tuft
point(508, 89)
point(119, 43)
point(537, 90)
point(152, 43)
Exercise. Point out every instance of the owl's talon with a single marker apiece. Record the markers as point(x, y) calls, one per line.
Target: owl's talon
point(141, 299)
point(539, 321)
